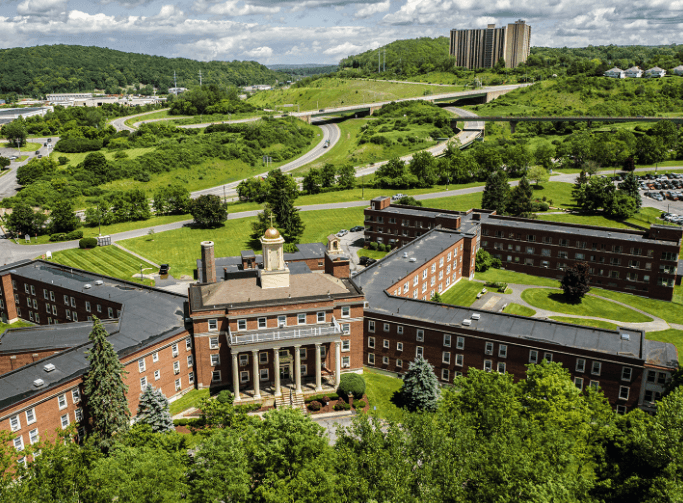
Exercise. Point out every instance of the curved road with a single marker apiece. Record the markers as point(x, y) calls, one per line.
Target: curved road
point(8, 181)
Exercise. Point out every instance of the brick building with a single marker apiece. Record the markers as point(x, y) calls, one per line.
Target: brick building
point(400, 324)
point(642, 262)
point(276, 320)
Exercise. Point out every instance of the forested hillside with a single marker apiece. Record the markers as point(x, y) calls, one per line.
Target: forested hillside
point(39, 70)
point(405, 56)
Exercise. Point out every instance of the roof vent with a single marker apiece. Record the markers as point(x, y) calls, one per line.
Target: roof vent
point(475, 316)
point(49, 367)
point(625, 337)
point(467, 323)
point(87, 285)
point(405, 254)
point(99, 282)
point(413, 259)
point(38, 383)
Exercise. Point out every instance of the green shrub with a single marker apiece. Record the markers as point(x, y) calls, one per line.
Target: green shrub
point(322, 398)
point(496, 263)
point(87, 243)
point(359, 404)
point(351, 383)
point(374, 245)
point(315, 406)
point(187, 422)
point(225, 396)
point(73, 235)
point(60, 236)
point(63, 160)
point(341, 406)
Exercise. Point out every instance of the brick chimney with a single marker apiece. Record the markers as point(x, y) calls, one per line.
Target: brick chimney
point(208, 262)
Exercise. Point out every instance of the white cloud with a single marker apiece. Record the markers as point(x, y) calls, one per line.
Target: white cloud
point(372, 9)
point(233, 8)
point(344, 49)
point(263, 52)
point(41, 7)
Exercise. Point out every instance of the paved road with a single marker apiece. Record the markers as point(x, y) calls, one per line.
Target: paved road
point(119, 123)
point(8, 182)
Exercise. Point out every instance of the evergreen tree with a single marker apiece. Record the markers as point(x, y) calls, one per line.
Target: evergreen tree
point(575, 282)
point(520, 199)
point(579, 192)
point(258, 228)
point(154, 411)
point(630, 186)
point(104, 391)
point(62, 217)
point(420, 389)
point(313, 181)
point(496, 192)
point(436, 297)
point(283, 191)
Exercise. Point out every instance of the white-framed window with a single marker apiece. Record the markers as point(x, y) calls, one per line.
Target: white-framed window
point(68, 314)
point(110, 312)
point(399, 362)
point(626, 373)
point(244, 359)
point(446, 357)
point(385, 343)
point(75, 316)
point(176, 367)
point(73, 302)
point(213, 325)
point(501, 367)
point(141, 365)
point(548, 357)
point(215, 360)
point(303, 353)
point(371, 326)
point(346, 362)
point(78, 415)
point(54, 310)
point(45, 293)
point(399, 346)
point(31, 415)
point(406, 287)
point(263, 357)
point(445, 375)
point(241, 324)
point(143, 383)
point(213, 342)
point(346, 328)
point(282, 320)
point(26, 289)
point(190, 377)
point(595, 384)
point(580, 365)
point(262, 322)
point(65, 420)
point(502, 351)
point(371, 342)
point(61, 400)
point(87, 306)
point(301, 318)
point(399, 329)
point(188, 344)
point(459, 358)
point(321, 316)
point(420, 335)
point(346, 345)
point(157, 375)
point(533, 356)
point(385, 360)
point(488, 350)
point(263, 374)
point(178, 385)
point(174, 350)
point(595, 369)
point(424, 274)
point(386, 327)
point(155, 356)
point(578, 382)
point(346, 311)
point(15, 423)
point(190, 361)
point(621, 409)
point(52, 296)
point(447, 340)
point(19, 443)
point(371, 358)
point(624, 392)
point(460, 343)
point(76, 395)
point(99, 307)
point(419, 351)
point(244, 376)
point(488, 365)
point(216, 376)
point(33, 436)
point(433, 268)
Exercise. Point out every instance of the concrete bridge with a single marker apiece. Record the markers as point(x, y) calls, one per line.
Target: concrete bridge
point(486, 94)
point(589, 119)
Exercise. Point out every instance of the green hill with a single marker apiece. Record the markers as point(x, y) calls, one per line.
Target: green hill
point(39, 70)
point(420, 55)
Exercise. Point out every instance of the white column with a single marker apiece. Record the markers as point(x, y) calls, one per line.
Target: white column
point(318, 370)
point(337, 363)
point(297, 368)
point(257, 376)
point(235, 377)
point(276, 364)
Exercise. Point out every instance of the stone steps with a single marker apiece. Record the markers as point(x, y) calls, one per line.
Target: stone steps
point(296, 401)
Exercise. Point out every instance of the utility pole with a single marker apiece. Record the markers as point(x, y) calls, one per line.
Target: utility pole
point(379, 60)
point(200, 78)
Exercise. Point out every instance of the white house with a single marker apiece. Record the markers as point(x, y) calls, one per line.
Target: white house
point(678, 70)
point(655, 72)
point(633, 73)
point(615, 73)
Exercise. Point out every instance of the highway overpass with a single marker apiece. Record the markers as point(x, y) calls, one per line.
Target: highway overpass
point(589, 119)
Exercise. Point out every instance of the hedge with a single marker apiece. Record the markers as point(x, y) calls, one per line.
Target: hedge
point(319, 398)
point(62, 236)
point(77, 145)
point(187, 422)
point(360, 404)
point(87, 243)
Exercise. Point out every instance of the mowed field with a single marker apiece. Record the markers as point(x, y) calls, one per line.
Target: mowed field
point(324, 93)
point(107, 260)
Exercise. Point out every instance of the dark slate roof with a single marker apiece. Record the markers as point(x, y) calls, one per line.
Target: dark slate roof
point(148, 315)
point(374, 280)
point(41, 338)
point(307, 251)
point(660, 353)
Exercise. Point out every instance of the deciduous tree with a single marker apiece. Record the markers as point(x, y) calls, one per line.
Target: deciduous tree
point(208, 211)
point(575, 281)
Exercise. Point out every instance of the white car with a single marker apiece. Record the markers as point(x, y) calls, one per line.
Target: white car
point(342, 233)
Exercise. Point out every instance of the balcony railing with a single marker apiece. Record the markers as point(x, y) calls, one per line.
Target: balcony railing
point(283, 334)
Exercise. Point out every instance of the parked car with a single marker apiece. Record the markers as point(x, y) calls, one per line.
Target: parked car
point(357, 228)
point(363, 260)
point(163, 269)
point(13, 158)
point(398, 196)
point(370, 261)
point(342, 233)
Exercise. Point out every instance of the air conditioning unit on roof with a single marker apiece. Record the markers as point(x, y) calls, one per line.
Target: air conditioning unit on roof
point(99, 282)
point(38, 383)
point(467, 323)
point(49, 367)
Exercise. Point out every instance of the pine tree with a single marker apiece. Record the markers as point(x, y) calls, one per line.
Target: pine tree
point(436, 297)
point(520, 199)
point(104, 391)
point(154, 411)
point(580, 190)
point(420, 386)
point(630, 186)
point(496, 192)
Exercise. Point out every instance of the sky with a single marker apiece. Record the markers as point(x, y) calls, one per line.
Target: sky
point(322, 31)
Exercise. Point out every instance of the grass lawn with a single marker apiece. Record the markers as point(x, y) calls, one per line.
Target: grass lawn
point(28, 147)
point(180, 247)
point(189, 400)
point(463, 293)
point(376, 254)
point(671, 335)
point(560, 193)
point(79, 157)
point(161, 114)
point(16, 324)
point(108, 260)
point(670, 312)
point(380, 388)
point(501, 275)
point(554, 300)
point(585, 322)
point(518, 309)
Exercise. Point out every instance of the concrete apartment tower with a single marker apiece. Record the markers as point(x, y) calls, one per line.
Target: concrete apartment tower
point(482, 48)
point(208, 262)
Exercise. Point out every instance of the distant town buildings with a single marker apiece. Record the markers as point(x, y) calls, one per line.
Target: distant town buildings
point(483, 48)
point(655, 72)
point(615, 73)
point(678, 70)
point(56, 98)
point(176, 90)
point(635, 72)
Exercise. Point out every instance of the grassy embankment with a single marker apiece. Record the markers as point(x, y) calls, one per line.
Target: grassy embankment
point(519, 310)
point(463, 293)
point(380, 388)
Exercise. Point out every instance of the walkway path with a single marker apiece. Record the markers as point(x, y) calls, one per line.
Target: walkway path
point(516, 297)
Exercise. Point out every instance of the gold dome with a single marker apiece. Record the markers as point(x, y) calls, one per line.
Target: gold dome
point(272, 233)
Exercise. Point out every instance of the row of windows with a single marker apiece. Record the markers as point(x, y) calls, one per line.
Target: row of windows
point(50, 295)
point(157, 375)
point(264, 358)
point(281, 320)
point(142, 364)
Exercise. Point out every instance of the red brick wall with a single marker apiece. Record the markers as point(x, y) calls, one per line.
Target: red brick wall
point(8, 298)
point(336, 267)
point(9, 362)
